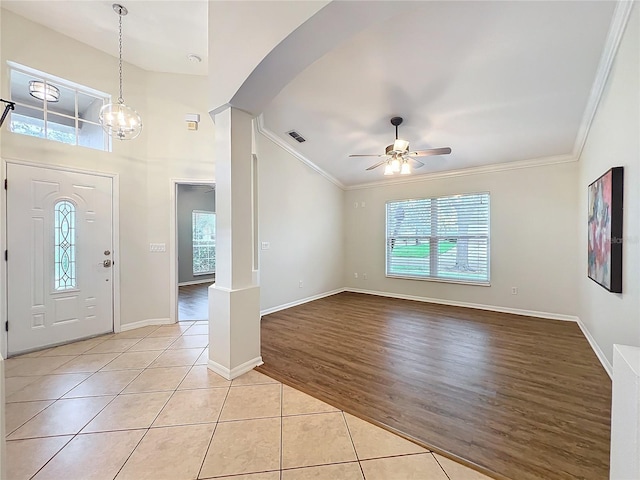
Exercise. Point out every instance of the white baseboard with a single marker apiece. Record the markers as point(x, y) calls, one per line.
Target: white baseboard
point(197, 282)
point(477, 306)
point(237, 371)
point(300, 302)
point(145, 323)
point(596, 348)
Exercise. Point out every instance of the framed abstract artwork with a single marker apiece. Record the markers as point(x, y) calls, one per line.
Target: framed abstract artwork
point(605, 230)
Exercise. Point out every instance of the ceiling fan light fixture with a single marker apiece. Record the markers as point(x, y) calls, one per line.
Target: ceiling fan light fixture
point(400, 145)
point(397, 155)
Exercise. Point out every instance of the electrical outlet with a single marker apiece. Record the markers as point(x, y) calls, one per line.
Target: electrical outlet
point(514, 290)
point(355, 275)
point(300, 284)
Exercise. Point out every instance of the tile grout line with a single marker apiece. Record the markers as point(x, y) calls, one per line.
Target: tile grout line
point(131, 454)
point(353, 444)
point(213, 433)
point(281, 428)
point(28, 420)
point(440, 465)
point(52, 457)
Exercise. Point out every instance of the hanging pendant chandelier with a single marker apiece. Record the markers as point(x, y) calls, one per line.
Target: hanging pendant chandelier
point(118, 119)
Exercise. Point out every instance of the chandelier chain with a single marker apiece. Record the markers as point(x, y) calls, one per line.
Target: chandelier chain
point(118, 119)
point(120, 98)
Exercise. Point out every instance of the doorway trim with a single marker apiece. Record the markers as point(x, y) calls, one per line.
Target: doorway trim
point(173, 235)
point(115, 216)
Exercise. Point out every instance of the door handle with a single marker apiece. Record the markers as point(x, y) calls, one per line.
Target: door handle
point(106, 263)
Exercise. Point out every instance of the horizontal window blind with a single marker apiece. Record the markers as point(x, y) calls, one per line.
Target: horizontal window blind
point(444, 238)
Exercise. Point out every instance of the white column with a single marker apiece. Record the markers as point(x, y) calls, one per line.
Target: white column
point(234, 300)
point(625, 414)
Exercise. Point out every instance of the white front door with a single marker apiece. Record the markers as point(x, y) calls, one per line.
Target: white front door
point(60, 250)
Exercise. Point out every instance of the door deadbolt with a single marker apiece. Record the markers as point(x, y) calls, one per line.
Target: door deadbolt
point(106, 263)
point(107, 252)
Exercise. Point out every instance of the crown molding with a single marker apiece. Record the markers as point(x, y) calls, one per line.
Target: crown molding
point(497, 167)
point(614, 37)
point(289, 149)
point(481, 170)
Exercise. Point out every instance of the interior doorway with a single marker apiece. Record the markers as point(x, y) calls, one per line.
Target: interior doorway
point(196, 248)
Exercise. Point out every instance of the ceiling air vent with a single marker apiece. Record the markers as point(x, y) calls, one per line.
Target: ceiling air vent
point(296, 136)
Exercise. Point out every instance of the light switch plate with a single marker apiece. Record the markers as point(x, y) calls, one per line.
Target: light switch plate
point(157, 247)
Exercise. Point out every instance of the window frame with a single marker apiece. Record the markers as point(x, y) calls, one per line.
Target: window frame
point(195, 212)
point(57, 81)
point(482, 283)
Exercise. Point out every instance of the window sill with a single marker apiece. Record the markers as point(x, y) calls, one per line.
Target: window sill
point(442, 280)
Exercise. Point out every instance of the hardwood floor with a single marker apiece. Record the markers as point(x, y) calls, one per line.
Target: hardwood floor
point(515, 397)
point(193, 302)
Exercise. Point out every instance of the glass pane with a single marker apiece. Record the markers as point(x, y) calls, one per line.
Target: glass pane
point(27, 121)
point(20, 89)
point(89, 107)
point(408, 257)
point(61, 129)
point(204, 242)
point(66, 102)
point(90, 135)
point(64, 245)
point(464, 259)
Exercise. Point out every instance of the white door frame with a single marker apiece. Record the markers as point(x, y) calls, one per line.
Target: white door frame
point(173, 235)
point(3, 241)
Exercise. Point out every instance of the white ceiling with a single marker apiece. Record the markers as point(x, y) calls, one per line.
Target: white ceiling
point(158, 35)
point(497, 81)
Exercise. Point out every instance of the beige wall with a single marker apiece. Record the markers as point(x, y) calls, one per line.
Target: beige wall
point(533, 239)
point(614, 140)
point(300, 215)
point(145, 166)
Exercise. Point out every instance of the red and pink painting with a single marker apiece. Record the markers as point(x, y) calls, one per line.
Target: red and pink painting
point(605, 230)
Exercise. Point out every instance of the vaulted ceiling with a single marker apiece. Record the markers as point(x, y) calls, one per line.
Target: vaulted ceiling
point(497, 82)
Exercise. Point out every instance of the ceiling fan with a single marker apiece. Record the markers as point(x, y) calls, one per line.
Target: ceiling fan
point(397, 156)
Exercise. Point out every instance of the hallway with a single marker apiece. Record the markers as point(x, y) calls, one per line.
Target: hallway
point(193, 302)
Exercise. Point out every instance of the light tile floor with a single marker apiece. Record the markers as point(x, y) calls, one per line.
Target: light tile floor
point(143, 405)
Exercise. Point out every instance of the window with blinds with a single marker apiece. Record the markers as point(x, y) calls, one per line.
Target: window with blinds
point(444, 238)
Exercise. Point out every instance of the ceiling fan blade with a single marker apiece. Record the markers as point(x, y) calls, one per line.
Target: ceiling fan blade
point(377, 164)
point(430, 152)
point(382, 155)
point(417, 163)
